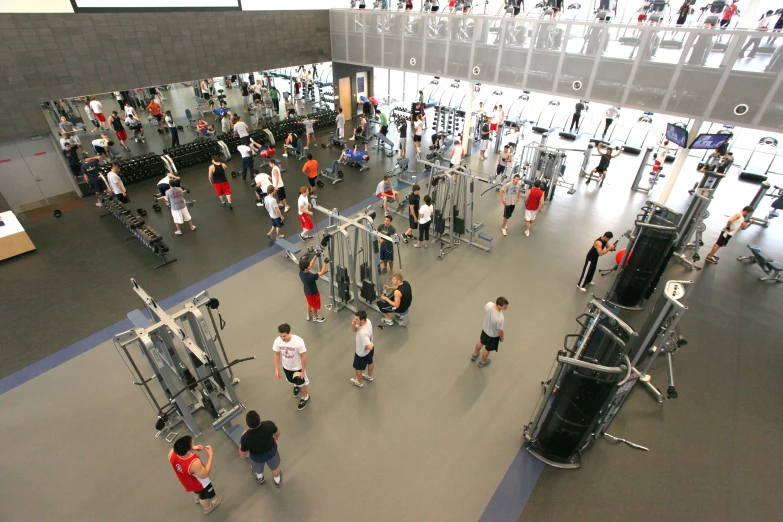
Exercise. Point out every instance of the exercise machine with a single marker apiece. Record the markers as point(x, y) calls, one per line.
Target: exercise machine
point(539, 162)
point(767, 147)
point(188, 361)
point(691, 227)
point(655, 174)
point(637, 136)
point(333, 173)
point(546, 118)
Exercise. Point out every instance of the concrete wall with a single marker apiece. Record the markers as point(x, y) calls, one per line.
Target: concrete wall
point(51, 56)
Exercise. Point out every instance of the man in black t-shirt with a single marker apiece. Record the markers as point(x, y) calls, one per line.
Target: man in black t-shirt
point(387, 247)
point(413, 209)
point(259, 444)
point(402, 128)
point(577, 114)
point(93, 176)
point(484, 139)
point(603, 163)
point(310, 280)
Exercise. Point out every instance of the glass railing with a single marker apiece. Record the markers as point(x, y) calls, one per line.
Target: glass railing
point(719, 75)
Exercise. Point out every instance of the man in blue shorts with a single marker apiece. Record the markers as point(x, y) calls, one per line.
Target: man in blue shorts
point(363, 358)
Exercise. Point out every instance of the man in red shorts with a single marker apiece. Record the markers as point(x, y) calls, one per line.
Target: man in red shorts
point(217, 176)
point(305, 212)
point(385, 191)
point(310, 280)
point(533, 203)
point(193, 474)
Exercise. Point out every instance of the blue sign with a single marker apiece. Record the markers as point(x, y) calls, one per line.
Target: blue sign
point(709, 141)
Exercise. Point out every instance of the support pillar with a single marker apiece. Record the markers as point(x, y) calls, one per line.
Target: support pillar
point(682, 156)
point(467, 133)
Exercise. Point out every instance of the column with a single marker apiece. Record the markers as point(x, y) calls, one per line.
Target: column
point(468, 131)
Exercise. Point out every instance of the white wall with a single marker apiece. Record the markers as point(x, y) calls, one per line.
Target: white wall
point(36, 6)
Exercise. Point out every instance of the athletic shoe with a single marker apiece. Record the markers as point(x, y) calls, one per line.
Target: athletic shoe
point(198, 500)
point(527, 233)
point(230, 206)
point(223, 204)
point(384, 270)
point(417, 245)
point(716, 257)
point(307, 238)
point(269, 236)
point(405, 238)
point(260, 480)
point(302, 237)
point(485, 363)
point(297, 391)
point(319, 319)
point(178, 232)
point(473, 358)
point(351, 138)
point(583, 289)
point(711, 259)
point(588, 181)
point(260, 204)
point(287, 209)
point(426, 245)
point(357, 383)
point(285, 155)
point(215, 503)
point(302, 405)
point(387, 322)
point(98, 204)
point(504, 231)
point(601, 184)
point(366, 377)
point(308, 318)
point(278, 484)
point(591, 283)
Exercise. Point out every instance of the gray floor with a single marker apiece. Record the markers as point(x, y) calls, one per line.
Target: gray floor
point(433, 436)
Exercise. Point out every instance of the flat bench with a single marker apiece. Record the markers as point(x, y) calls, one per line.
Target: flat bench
point(336, 142)
point(770, 267)
point(290, 249)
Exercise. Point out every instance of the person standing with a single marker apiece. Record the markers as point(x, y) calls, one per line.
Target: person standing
point(292, 350)
point(175, 197)
point(91, 116)
point(735, 223)
point(154, 109)
point(277, 181)
point(310, 282)
point(309, 123)
point(116, 184)
point(217, 176)
point(425, 220)
point(365, 350)
point(259, 445)
point(495, 120)
point(418, 132)
point(402, 129)
point(267, 99)
point(245, 96)
point(413, 212)
point(492, 333)
point(598, 249)
point(304, 207)
point(504, 158)
point(274, 213)
point(484, 139)
point(533, 203)
point(578, 108)
point(457, 153)
point(97, 108)
point(399, 302)
point(340, 123)
point(275, 94)
point(683, 12)
point(247, 161)
point(612, 113)
point(240, 127)
point(509, 197)
point(386, 247)
point(172, 129)
point(763, 25)
point(193, 474)
point(384, 123)
point(91, 173)
point(310, 169)
point(65, 125)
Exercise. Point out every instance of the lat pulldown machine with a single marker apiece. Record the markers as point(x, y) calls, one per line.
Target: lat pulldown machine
point(186, 363)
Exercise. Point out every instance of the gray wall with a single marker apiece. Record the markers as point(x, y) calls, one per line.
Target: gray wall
point(51, 56)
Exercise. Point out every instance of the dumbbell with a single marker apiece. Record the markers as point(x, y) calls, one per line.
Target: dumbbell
point(156, 207)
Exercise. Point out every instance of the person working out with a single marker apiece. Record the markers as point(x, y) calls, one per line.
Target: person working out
point(533, 203)
point(102, 147)
point(134, 124)
point(457, 154)
point(363, 358)
point(577, 114)
point(274, 213)
point(385, 191)
point(484, 139)
point(509, 197)
point(204, 128)
point(310, 280)
point(291, 348)
point(492, 333)
point(413, 212)
point(175, 197)
point(193, 474)
point(262, 182)
point(418, 131)
point(292, 140)
point(259, 445)
point(612, 113)
point(398, 303)
point(217, 177)
point(603, 163)
point(735, 223)
point(309, 124)
point(386, 247)
point(155, 111)
point(598, 249)
point(165, 184)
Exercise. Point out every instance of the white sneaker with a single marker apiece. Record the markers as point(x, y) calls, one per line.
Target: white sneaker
point(308, 318)
point(178, 232)
point(287, 209)
point(504, 231)
point(357, 383)
point(581, 288)
point(527, 233)
point(260, 204)
point(285, 155)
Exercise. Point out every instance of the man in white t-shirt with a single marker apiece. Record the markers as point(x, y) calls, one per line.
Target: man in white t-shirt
point(101, 146)
point(116, 184)
point(365, 350)
point(67, 137)
point(736, 222)
point(340, 122)
point(277, 181)
point(291, 349)
point(274, 213)
point(611, 114)
point(240, 127)
point(97, 109)
point(263, 181)
point(247, 161)
point(457, 153)
point(418, 131)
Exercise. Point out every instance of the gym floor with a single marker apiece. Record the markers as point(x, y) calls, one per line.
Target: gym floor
point(433, 437)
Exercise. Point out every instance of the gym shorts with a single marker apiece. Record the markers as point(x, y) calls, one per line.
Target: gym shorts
point(277, 222)
point(281, 193)
point(416, 139)
point(412, 224)
point(97, 185)
point(385, 307)
point(530, 215)
point(163, 187)
point(296, 381)
point(311, 181)
point(361, 363)
point(99, 150)
point(491, 344)
point(601, 169)
point(484, 144)
point(222, 189)
point(388, 194)
point(387, 252)
point(500, 169)
point(403, 142)
point(508, 210)
point(314, 301)
point(180, 216)
point(306, 222)
point(208, 493)
point(493, 127)
point(258, 466)
point(100, 116)
point(723, 239)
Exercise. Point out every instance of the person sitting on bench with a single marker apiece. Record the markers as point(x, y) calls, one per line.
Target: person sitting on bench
point(204, 128)
point(165, 184)
point(398, 302)
point(353, 154)
point(262, 183)
point(361, 131)
point(290, 143)
point(436, 139)
point(385, 191)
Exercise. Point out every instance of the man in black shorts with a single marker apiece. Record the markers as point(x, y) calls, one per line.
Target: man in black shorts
point(259, 444)
point(492, 333)
point(386, 247)
point(399, 302)
point(603, 164)
point(733, 225)
point(509, 196)
point(92, 176)
point(402, 128)
point(413, 212)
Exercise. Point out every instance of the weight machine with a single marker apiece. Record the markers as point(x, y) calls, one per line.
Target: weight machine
point(656, 172)
point(548, 165)
point(777, 194)
point(188, 361)
point(691, 227)
point(345, 240)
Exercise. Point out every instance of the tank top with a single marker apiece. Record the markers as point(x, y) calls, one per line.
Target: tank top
point(406, 297)
point(181, 466)
point(219, 176)
point(116, 124)
point(593, 254)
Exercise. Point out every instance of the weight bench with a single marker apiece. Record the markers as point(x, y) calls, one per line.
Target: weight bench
point(383, 142)
point(770, 267)
point(289, 249)
point(336, 142)
point(297, 151)
point(334, 174)
point(355, 163)
point(224, 422)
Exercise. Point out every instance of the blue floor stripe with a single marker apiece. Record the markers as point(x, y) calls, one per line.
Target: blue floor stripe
point(509, 500)
point(66, 354)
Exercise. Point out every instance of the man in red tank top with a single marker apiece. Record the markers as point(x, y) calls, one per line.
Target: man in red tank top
point(533, 203)
point(193, 474)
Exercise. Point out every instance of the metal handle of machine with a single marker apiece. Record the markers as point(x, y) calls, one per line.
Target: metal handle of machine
point(591, 366)
point(211, 374)
point(658, 227)
point(628, 369)
point(607, 312)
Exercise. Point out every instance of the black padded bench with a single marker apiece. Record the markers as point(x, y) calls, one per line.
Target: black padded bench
point(770, 267)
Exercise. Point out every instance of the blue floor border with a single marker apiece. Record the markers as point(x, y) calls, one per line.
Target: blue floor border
point(513, 492)
point(50, 362)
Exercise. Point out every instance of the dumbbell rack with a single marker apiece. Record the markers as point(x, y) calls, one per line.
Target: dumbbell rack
point(449, 120)
point(148, 236)
point(195, 152)
point(133, 170)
